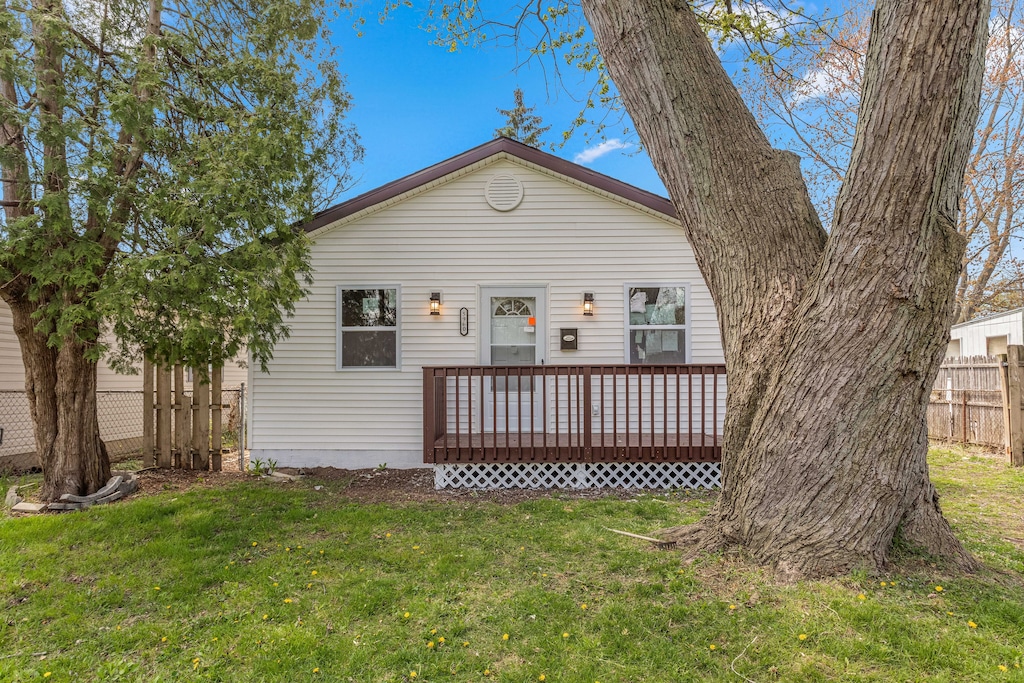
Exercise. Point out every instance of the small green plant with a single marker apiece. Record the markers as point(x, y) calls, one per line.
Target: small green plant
point(261, 468)
point(381, 467)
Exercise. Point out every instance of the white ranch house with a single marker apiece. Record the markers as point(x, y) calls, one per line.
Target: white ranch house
point(507, 317)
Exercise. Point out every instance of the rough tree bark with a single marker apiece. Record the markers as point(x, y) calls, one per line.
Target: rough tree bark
point(61, 390)
point(832, 341)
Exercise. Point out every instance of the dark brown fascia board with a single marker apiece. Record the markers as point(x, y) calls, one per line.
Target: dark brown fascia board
point(489, 149)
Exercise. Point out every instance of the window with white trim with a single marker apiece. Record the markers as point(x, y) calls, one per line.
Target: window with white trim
point(367, 327)
point(657, 324)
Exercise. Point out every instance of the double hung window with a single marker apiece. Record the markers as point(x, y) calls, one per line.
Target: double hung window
point(368, 327)
point(657, 324)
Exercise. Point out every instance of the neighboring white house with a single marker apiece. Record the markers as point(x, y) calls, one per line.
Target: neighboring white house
point(514, 241)
point(986, 336)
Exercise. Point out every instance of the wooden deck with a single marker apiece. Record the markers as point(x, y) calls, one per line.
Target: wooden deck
point(541, 447)
point(573, 413)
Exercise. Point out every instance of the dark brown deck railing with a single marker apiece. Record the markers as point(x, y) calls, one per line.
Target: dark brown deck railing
point(573, 413)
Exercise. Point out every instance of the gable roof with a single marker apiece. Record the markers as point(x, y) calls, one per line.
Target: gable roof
point(500, 145)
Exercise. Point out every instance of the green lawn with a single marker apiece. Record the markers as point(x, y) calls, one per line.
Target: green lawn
point(265, 582)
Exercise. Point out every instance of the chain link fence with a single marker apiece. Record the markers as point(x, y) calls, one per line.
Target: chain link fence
point(121, 421)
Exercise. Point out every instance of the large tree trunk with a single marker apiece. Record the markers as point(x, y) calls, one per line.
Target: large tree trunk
point(61, 390)
point(832, 342)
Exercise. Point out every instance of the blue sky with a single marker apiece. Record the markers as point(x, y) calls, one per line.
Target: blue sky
point(415, 104)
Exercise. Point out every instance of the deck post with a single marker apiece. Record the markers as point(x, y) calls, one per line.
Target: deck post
point(429, 436)
point(588, 416)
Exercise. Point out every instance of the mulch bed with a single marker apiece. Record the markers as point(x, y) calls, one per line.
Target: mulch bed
point(374, 486)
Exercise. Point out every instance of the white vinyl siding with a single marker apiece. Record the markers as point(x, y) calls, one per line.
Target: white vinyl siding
point(562, 236)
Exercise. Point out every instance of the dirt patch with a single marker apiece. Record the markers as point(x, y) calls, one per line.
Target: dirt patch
point(157, 480)
point(417, 486)
point(373, 486)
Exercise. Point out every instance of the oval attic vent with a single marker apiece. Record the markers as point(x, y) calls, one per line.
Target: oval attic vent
point(504, 192)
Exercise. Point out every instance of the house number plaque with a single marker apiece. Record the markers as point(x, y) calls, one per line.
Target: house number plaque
point(463, 321)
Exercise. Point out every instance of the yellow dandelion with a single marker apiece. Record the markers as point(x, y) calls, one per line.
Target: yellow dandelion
point(487, 672)
point(316, 669)
point(465, 643)
point(583, 606)
point(565, 635)
point(387, 535)
point(287, 600)
point(321, 552)
point(542, 677)
point(275, 583)
point(47, 674)
point(412, 674)
point(972, 624)
point(156, 588)
point(300, 547)
point(214, 639)
point(415, 547)
point(265, 616)
point(881, 583)
point(168, 607)
point(287, 550)
point(938, 589)
point(861, 596)
point(430, 645)
point(406, 615)
point(440, 641)
point(254, 544)
point(712, 647)
point(732, 606)
point(1002, 667)
point(164, 639)
point(313, 573)
point(949, 613)
point(309, 585)
point(504, 636)
point(433, 631)
point(802, 636)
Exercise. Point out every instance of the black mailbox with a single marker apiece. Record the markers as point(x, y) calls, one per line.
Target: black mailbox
point(569, 339)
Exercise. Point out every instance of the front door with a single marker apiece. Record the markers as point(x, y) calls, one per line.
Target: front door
point(514, 333)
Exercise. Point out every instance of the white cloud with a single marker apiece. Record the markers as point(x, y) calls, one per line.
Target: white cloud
point(592, 153)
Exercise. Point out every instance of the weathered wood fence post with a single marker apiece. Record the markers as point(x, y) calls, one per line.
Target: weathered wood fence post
point(201, 421)
point(148, 456)
point(1014, 420)
point(182, 421)
point(216, 415)
point(163, 419)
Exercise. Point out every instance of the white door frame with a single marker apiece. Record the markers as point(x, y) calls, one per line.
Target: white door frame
point(539, 292)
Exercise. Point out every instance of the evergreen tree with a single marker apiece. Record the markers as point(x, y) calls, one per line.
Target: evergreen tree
point(155, 156)
point(522, 124)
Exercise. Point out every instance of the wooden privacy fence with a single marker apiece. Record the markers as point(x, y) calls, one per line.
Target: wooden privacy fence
point(187, 431)
point(978, 400)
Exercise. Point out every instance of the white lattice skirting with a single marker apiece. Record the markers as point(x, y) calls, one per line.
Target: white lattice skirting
point(623, 475)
